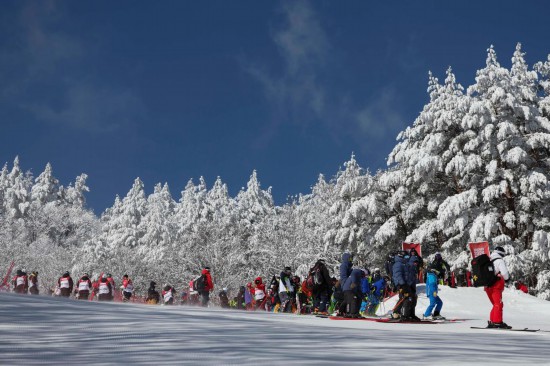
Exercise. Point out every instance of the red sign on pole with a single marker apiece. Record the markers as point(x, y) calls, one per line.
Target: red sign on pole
point(416, 246)
point(477, 249)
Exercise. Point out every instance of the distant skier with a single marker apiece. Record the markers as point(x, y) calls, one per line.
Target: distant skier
point(83, 287)
point(432, 277)
point(259, 293)
point(321, 287)
point(494, 292)
point(33, 283)
point(20, 282)
point(224, 300)
point(105, 290)
point(168, 293)
point(239, 299)
point(127, 288)
point(208, 286)
point(153, 296)
point(65, 285)
point(286, 290)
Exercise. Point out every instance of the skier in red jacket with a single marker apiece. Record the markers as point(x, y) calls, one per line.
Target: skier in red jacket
point(65, 285)
point(127, 288)
point(83, 287)
point(208, 286)
point(20, 282)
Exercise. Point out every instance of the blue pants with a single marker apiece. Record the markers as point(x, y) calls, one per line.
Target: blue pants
point(436, 302)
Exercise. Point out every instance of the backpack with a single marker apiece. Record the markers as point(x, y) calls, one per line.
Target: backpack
point(200, 283)
point(483, 271)
point(315, 277)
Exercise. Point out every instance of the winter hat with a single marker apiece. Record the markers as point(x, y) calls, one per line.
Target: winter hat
point(66, 274)
point(438, 256)
point(288, 269)
point(153, 284)
point(501, 251)
point(19, 272)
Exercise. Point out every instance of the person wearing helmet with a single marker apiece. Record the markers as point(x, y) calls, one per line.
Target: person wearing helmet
point(20, 282)
point(224, 299)
point(153, 296)
point(105, 290)
point(65, 285)
point(33, 283)
point(168, 293)
point(127, 288)
point(442, 268)
point(494, 292)
point(432, 293)
point(83, 287)
point(259, 293)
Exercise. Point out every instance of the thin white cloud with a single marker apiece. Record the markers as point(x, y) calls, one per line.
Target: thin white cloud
point(45, 57)
point(300, 92)
point(303, 45)
point(380, 116)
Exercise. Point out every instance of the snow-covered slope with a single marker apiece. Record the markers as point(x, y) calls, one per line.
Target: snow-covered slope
point(46, 330)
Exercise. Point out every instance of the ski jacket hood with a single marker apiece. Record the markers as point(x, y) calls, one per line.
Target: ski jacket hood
point(345, 267)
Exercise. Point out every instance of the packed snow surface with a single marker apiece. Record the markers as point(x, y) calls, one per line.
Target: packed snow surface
point(47, 330)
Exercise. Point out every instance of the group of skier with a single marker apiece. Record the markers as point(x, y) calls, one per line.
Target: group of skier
point(357, 292)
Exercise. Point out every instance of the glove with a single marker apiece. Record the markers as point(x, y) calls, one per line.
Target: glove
point(435, 293)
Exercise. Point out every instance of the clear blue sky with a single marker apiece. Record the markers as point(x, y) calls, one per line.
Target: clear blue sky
point(174, 90)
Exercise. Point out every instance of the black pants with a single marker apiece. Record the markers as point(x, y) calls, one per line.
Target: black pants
point(353, 303)
point(411, 293)
point(205, 297)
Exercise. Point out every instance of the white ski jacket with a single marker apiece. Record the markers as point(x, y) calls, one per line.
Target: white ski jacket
point(500, 266)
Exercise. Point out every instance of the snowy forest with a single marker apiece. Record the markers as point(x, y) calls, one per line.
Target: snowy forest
point(473, 166)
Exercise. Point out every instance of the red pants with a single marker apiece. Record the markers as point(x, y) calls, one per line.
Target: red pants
point(495, 295)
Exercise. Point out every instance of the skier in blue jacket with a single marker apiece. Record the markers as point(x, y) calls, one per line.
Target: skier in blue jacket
point(352, 293)
point(432, 292)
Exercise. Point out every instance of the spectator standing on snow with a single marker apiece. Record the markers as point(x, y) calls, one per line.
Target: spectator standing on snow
point(322, 287)
point(494, 292)
point(352, 293)
point(33, 283)
point(153, 296)
point(208, 286)
point(286, 290)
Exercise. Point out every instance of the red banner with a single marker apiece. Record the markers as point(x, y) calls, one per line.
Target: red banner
point(477, 249)
point(416, 246)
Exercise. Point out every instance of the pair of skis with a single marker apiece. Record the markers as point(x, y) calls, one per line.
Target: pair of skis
point(511, 329)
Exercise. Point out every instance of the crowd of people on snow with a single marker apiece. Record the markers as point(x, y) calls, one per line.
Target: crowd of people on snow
point(358, 292)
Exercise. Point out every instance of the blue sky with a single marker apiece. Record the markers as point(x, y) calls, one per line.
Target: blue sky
point(174, 90)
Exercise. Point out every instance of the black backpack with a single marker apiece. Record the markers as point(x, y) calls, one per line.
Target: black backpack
point(200, 283)
point(483, 271)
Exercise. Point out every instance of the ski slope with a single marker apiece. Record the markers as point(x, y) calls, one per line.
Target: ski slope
point(53, 331)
